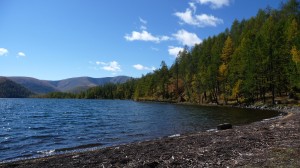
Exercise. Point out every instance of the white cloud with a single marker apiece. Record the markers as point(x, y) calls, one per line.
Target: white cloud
point(143, 21)
point(208, 20)
point(100, 63)
point(113, 66)
point(141, 36)
point(145, 36)
point(164, 38)
point(187, 38)
point(138, 67)
point(202, 20)
point(187, 17)
point(3, 51)
point(141, 67)
point(21, 54)
point(193, 7)
point(174, 50)
point(215, 4)
point(143, 27)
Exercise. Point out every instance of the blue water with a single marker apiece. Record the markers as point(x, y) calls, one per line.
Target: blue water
point(38, 127)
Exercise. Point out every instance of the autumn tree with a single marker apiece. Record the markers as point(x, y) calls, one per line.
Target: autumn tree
point(223, 69)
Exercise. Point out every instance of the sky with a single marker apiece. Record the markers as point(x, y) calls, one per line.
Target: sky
point(59, 39)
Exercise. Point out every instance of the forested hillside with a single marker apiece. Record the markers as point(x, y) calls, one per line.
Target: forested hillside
point(255, 59)
point(252, 59)
point(10, 89)
point(71, 85)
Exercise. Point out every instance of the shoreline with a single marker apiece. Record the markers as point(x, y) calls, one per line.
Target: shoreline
point(205, 149)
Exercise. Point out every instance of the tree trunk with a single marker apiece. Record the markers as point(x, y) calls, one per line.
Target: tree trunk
point(273, 94)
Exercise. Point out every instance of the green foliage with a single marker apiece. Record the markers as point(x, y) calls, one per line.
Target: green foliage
point(107, 91)
point(10, 89)
point(58, 95)
point(256, 58)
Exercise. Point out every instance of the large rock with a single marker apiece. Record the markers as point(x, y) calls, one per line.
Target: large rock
point(224, 126)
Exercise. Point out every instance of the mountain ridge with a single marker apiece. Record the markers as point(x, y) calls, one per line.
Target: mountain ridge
point(72, 85)
point(10, 89)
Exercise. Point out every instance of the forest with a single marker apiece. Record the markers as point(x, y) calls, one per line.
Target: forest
point(255, 60)
point(10, 89)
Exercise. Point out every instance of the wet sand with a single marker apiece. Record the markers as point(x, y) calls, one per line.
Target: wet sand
point(269, 143)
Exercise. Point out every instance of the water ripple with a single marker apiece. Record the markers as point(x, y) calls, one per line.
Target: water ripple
point(39, 127)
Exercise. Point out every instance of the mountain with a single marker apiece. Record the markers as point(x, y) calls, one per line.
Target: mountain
point(10, 89)
point(66, 85)
point(35, 85)
point(86, 82)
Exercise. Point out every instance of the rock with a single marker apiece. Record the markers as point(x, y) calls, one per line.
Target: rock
point(125, 161)
point(181, 99)
point(152, 164)
point(224, 126)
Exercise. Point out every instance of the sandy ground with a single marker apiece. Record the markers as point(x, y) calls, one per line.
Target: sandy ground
point(269, 143)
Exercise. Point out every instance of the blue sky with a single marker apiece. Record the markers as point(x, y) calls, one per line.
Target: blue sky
point(58, 39)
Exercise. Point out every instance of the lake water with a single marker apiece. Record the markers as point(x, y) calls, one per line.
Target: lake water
point(38, 127)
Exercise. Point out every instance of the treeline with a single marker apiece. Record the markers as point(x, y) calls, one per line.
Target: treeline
point(253, 60)
point(107, 91)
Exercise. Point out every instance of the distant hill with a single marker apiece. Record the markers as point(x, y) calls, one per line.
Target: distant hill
point(10, 89)
point(73, 85)
point(70, 84)
point(35, 85)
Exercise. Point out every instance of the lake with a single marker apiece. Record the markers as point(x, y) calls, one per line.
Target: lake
point(39, 127)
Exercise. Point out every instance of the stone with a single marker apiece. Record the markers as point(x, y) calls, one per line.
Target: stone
point(224, 126)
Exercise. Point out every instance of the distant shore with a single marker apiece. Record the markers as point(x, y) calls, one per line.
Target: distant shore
point(272, 143)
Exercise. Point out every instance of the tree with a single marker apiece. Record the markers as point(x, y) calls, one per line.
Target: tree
point(184, 67)
point(223, 69)
point(164, 77)
point(295, 55)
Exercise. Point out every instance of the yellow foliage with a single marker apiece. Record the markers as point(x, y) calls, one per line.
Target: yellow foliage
point(223, 69)
point(292, 31)
point(295, 55)
point(236, 88)
point(227, 50)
